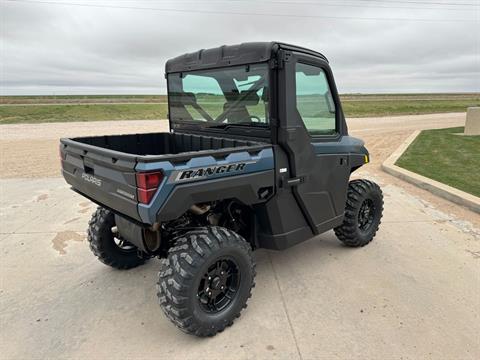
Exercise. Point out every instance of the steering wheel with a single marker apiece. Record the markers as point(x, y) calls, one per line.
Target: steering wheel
point(256, 118)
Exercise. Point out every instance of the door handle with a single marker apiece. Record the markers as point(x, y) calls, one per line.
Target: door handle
point(296, 181)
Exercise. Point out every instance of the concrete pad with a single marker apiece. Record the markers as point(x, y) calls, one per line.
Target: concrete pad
point(412, 293)
point(42, 205)
point(72, 306)
point(399, 297)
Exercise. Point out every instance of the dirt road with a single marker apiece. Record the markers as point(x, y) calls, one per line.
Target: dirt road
point(414, 292)
point(31, 150)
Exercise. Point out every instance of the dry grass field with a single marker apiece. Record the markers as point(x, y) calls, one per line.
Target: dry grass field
point(40, 109)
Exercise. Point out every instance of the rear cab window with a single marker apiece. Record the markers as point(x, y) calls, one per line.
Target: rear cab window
point(236, 95)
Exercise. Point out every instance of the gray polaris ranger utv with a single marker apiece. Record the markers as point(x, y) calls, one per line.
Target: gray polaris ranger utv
point(258, 156)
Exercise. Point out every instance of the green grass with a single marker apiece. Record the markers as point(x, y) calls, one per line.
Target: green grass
point(19, 114)
point(448, 158)
point(80, 108)
point(358, 108)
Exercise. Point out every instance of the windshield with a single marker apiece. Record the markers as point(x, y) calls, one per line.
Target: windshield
point(220, 97)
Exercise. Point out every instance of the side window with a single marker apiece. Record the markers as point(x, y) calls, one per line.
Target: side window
point(314, 100)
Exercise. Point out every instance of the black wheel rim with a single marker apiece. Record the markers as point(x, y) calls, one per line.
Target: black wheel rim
point(366, 215)
point(219, 285)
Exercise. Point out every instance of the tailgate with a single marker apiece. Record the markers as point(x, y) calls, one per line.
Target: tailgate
point(105, 176)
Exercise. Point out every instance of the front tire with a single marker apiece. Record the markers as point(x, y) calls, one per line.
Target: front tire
point(206, 280)
point(363, 213)
point(108, 247)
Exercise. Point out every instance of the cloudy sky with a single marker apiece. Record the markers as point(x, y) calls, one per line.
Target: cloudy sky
point(120, 47)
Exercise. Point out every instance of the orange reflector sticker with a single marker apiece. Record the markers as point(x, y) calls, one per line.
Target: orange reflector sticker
point(366, 159)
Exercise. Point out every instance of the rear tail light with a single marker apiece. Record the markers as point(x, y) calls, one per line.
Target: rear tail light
point(145, 196)
point(149, 180)
point(147, 184)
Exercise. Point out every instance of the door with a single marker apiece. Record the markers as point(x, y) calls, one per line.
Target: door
point(311, 133)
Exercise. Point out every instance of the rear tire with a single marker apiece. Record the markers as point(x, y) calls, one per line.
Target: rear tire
point(108, 248)
point(206, 280)
point(363, 213)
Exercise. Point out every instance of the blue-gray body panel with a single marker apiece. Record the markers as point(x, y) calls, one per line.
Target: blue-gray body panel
point(259, 162)
point(346, 145)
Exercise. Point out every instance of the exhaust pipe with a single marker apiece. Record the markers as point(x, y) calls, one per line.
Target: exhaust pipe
point(199, 209)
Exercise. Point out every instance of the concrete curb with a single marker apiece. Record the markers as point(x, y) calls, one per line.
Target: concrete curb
point(447, 192)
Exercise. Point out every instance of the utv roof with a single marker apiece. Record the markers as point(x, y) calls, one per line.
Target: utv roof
point(229, 55)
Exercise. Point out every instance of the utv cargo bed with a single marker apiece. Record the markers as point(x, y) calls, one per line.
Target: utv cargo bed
point(104, 168)
point(155, 146)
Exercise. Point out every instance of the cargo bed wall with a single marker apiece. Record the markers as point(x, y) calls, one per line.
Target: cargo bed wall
point(103, 168)
point(161, 143)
